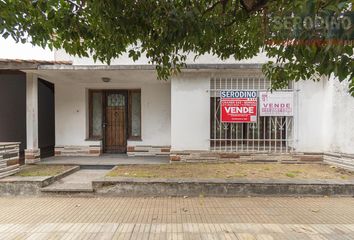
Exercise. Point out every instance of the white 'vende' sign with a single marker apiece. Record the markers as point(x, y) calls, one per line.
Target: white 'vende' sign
point(276, 104)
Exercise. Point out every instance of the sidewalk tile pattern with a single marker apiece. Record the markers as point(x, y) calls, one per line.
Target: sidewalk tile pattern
point(176, 218)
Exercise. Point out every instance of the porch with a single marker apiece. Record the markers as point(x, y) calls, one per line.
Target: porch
point(98, 112)
point(105, 160)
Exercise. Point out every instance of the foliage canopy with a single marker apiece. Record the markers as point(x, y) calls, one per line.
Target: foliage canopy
point(305, 38)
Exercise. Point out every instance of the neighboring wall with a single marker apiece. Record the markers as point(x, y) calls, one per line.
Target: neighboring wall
point(325, 117)
point(71, 111)
point(340, 127)
point(13, 107)
point(9, 159)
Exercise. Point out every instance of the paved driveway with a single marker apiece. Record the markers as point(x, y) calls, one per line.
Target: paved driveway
point(176, 218)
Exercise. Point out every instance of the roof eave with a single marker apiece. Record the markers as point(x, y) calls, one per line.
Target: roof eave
point(148, 67)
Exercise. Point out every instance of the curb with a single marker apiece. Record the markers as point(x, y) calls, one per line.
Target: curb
point(221, 188)
point(59, 176)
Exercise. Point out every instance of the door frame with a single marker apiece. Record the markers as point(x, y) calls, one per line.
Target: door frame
point(105, 93)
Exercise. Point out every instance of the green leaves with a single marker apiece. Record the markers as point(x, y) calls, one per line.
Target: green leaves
point(351, 87)
point(6, 35)
point(290, 31)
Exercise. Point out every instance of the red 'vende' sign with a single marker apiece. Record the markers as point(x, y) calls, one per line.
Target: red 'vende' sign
point(239, 106)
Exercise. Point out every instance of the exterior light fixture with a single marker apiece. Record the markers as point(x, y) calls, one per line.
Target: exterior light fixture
point(106, 79)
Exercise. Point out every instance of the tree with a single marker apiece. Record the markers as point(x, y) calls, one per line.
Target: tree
point(307, 38)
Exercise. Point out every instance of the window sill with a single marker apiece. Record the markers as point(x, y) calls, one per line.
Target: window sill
point(93, 139)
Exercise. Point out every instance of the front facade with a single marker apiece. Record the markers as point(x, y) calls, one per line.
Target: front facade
point(123, 108)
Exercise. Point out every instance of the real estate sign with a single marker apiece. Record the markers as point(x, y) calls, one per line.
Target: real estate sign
point(238, 106)
point(276, 104)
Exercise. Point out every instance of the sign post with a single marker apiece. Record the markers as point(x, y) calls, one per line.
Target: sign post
point(238, 106)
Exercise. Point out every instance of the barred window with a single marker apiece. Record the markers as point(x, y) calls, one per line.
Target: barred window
point(268, 134)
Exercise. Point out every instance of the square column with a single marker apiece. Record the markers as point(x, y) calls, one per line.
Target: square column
point(32, 153)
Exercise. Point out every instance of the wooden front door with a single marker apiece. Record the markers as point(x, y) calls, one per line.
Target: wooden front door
point(115, 122)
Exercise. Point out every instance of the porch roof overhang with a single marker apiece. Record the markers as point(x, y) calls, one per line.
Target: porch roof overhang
point(65, 71)
point(131, 73)
point(21, 64)
point(219, 66)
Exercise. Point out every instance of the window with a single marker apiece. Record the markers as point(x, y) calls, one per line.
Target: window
point(269, 134)
point(115, 100)
point(97, 102)
point(95, 114)
point(135, 115)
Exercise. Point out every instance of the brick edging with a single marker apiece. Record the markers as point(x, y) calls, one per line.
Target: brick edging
point(219, 157)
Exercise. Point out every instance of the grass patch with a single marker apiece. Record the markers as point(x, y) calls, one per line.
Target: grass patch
point(42, 170)
point(232, 171)
point(290, 175)
point(293, 174)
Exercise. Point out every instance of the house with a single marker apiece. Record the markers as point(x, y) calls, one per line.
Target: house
point(78, 107)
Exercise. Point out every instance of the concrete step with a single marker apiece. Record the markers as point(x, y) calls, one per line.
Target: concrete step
point(76, 183)
point(8, 168)
point(68, 188)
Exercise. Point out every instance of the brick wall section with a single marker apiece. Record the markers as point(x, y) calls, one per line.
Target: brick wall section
point(32, 156)
point(9, 159)
point(342, 160)
point(299, 158)
point(95, 150)
point(148, 150)
point(92, 150)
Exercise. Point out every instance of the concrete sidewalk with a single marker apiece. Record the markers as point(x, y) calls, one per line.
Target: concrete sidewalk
point(105, 159)
point(80, 181)
point(177, 218)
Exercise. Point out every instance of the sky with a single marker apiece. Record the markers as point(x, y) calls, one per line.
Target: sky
point(9, 49)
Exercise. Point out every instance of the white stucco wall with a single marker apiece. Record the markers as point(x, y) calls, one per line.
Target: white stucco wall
point(70, 115)
point(309, 118)
point(61, 55)
point(324, 119)
point(190, 112)
point(178, 113)
point(324, 122)
point(340, 114)
point(71, 111)
point(12, 50)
